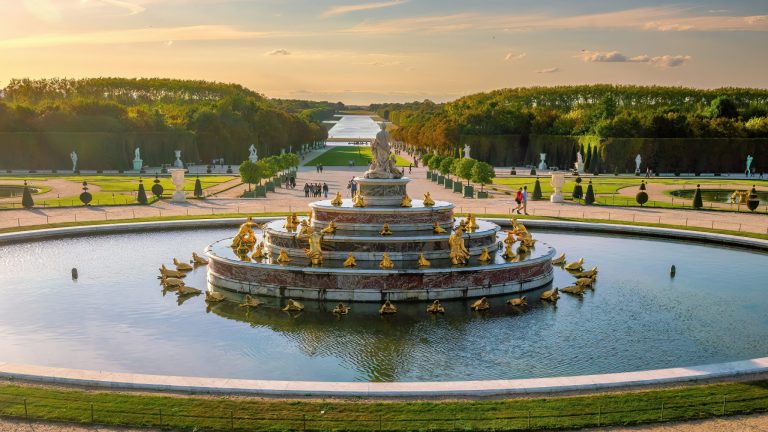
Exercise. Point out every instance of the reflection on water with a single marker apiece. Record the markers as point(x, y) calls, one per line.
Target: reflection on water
point(716, 195)
point(354, 126)
point(116, 317)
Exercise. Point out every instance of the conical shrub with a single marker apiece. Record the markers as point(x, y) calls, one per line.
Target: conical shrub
point(141, 197)
point(578, 191)
point(697, 202)
point(26, 199)
point(589, 198)
point(198, 188)
point(537, 190)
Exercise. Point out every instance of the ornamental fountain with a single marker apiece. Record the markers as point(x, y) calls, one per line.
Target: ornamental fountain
point(379, 245)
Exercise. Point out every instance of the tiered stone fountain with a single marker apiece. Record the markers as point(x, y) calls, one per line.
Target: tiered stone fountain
point(358, 233)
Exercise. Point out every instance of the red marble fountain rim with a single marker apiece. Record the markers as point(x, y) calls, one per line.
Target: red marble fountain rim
point(275, 228)
point(347, 207)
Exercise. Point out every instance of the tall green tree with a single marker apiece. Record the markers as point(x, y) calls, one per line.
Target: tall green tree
point(252, 173)
point(482, 173)
point(464, 168)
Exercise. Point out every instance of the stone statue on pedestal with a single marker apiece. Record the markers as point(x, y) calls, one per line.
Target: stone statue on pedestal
point(579, 165)
point(383, 162)
point(749, 163)
point(253, 157)
point(466, 151)
point(137, 162)
point(638, 160)
point(73, 156)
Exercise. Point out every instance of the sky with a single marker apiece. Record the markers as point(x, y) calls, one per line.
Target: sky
point(389, 50)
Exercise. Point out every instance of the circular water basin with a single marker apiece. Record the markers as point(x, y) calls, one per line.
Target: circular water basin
point(14, 191)
point(716, 195)
point(116, 316)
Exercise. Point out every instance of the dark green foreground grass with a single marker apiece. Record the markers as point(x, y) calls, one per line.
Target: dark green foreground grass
point(242, 413)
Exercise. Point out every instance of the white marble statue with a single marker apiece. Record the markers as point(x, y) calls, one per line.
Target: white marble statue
point(638, 160)
point(579, 164)
point(383, 161)
point(178, 163)
point(542, 164)
point(749, 163)
point(466, 151)
point(73, 156)
point(253, 157)
point(579, 159)
point(137, 162)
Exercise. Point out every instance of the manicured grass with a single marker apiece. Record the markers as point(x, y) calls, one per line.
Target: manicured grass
point(242, 413)
point(341, 155)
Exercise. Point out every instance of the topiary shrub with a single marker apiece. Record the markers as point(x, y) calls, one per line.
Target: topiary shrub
point(616, 172)
point(589, 198)
point(697, 202)
point(677, 173)
point(578, 191)
point(157, 188)
point(512, 172)
point(641, 198)
point(537, 190)
point(229, 169)
point(198, 188)
point(642, 185)
point(26, 199)
point(753, 202)
point(86, 196)
point(533, 171)
point(141, 197)
point(53, 171)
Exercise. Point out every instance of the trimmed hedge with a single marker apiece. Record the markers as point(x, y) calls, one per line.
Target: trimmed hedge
point(95, 150)
point(497, 150)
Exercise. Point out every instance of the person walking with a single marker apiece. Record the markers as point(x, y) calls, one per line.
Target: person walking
point(525, 199)
point(325, 189)
point(518, 199)
point(410, 166)
point(306, 190)
point(354, 188)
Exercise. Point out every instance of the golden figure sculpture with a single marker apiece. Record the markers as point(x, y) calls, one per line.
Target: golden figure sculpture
point(283, 257)
point(350, 261)
point(171, 273)
point(480, 305)
point(304, 224)
point(291, 222)
point(485, 257)
point(423, 262)
point(245, 237)
point(459, 253)
point(519, 301)
point(181, 266)
point(435, 307)
point(574, 289)
point(385, 231)
point(463, 224)
point(523, 249)
point(527, 240)
point(428, 201)
point(341, 309)
point(386, 263)
point(550, 295)
point(330, 229)
point(510, 239)
point(171, 282)
point(406, 202)
point(437, 229)
point(249, 302)
point(472, 222)
point(509, 254)
point(576, 265)
point(337, 200)
point(586, 274)
point(559, 260)
point(258, 253)
point(184, 290)
point(357, 200)
point(198, 260)
point(387, 308)
point(293, 306)
point(214, 297)
point(315, 251)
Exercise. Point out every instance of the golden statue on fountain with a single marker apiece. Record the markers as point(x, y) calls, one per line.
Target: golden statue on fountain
point(245, 237)
point(437, 229)
point(459, 253)
point(386, 262)
point(357, 200)
point(423, 261)
point(330, 229)
point(350, 261)
point(314, 252)
point(406, 201)
point(337, 201)
point(291, 222)
point(258, 253)
point(428, 201)
point(385, 231)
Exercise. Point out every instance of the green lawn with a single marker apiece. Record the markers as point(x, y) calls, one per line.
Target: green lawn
point(242, 413)
point(341, 155)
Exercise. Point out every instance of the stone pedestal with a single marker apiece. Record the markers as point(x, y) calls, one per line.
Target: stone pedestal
point(579, 167)
point(557, 182)
point(138, 164)
point(382, 192)
point(177, 177)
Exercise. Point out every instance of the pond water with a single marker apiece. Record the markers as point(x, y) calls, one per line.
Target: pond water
point(11, 191)
point(116, 317)
point(715, 195)
point(354, 126)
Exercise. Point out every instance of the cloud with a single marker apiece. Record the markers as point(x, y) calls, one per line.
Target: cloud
point(44, 10)
point(661, 62)
point(133, 36)
point(279, 52)
point(132, 8)
point(345, 9)
point(663, 18)
point(514, 56)
point(548, 70)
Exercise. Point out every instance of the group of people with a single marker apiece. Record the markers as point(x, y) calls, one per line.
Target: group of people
point(352, 187)
point(315, 190)
point(290, 182)
point(521, 198)
point(319, 168)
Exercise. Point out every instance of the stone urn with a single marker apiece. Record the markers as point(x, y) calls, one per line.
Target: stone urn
point(542, 164)
point(557, 182)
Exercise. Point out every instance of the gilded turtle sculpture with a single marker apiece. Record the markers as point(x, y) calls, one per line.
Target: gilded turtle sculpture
point(214, 297)
point(585, 282)
point(184, 290)
point(171, 273)
point(480, 305)
point(550, 295)
point(198, 260)
point(423, 261)
point(249, 302)
point(171, 282)
point(435, 307)
point(574, 289)
point(182, 266)
point(576, 265)
point(387, 308)
point(293, 306)
point(350, 261)
point(518, 301)
point(559, 260)
point(588, 274)
point(341, 309)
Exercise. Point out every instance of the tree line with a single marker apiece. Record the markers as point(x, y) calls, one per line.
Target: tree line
point(225, 118)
